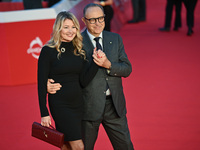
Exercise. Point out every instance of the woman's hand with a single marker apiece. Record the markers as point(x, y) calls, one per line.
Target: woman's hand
point(98, 53)
point(100, 59)
point(46, 121)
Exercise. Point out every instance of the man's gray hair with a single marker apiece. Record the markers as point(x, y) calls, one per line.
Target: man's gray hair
point(91, 5)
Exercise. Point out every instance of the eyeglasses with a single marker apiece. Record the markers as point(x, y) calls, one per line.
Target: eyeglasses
point(94, 20)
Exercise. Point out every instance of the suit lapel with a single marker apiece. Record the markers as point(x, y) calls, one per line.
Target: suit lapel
point(87, 45)
point(107, 44)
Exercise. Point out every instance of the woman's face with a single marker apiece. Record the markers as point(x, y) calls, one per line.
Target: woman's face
point(68, 31)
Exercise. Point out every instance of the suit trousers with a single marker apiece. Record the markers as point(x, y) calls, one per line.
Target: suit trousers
point(108, 10)
point(139, 10)
point(190, 7)
point(169, 10)
point(115, 127)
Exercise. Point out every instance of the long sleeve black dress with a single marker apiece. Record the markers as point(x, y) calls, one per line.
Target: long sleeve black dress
point(73, 73)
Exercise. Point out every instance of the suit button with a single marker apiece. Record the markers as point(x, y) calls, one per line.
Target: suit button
point(115, 74)
point(106, 79)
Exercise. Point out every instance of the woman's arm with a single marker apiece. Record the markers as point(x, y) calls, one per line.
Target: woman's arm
point(89, 71)
point(43, 72)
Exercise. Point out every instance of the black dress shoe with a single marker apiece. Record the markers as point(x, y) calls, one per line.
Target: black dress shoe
point(175, 29)
point(142, 19)
point(133, 21)
point(164, 29)
point(190, 32)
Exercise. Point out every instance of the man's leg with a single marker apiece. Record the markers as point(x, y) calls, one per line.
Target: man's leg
point(116, 128)
point(142, 10)
point(136, 9)
point(90, 132)
point(168, 17)
point(177, 23)
point(190, 6)
point(135, 6)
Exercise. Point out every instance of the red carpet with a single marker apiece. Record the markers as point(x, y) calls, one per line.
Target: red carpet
point(162, 93)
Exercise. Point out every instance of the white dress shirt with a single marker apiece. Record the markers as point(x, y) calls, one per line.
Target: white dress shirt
point(94, 44)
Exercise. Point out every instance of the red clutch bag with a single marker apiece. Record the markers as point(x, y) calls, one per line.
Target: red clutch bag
point(49, 135)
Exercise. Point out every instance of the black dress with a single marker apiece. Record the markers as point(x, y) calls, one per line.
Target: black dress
point(73, 73)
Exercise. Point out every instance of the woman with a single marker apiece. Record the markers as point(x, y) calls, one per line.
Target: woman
point(108, 10)
point(63, 60)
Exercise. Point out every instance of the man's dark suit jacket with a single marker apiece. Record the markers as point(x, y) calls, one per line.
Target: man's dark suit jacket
point(94, 94)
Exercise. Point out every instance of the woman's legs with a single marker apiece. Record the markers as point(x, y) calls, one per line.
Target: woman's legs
point(66, 146)
point(73, 145)
point(76, 145)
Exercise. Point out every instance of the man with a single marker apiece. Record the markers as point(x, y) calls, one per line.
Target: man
point(190, 7)
point(139, 11)
point(168, 15)
point(104, 101)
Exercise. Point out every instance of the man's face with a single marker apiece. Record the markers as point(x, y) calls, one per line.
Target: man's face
point(91, 14)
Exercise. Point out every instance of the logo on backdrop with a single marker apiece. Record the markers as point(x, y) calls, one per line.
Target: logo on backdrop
point(35, 47)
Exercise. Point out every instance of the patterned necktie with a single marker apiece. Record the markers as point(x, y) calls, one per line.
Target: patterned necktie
point(98, 45)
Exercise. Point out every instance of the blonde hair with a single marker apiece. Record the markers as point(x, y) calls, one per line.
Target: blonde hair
point(55, 40)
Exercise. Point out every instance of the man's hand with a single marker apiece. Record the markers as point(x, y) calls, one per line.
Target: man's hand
point(52, 87)
point(100, 59)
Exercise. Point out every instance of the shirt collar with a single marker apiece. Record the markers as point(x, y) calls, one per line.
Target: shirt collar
point(92, 36)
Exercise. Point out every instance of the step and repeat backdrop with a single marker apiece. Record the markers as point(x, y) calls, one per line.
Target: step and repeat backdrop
point(24, 32)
